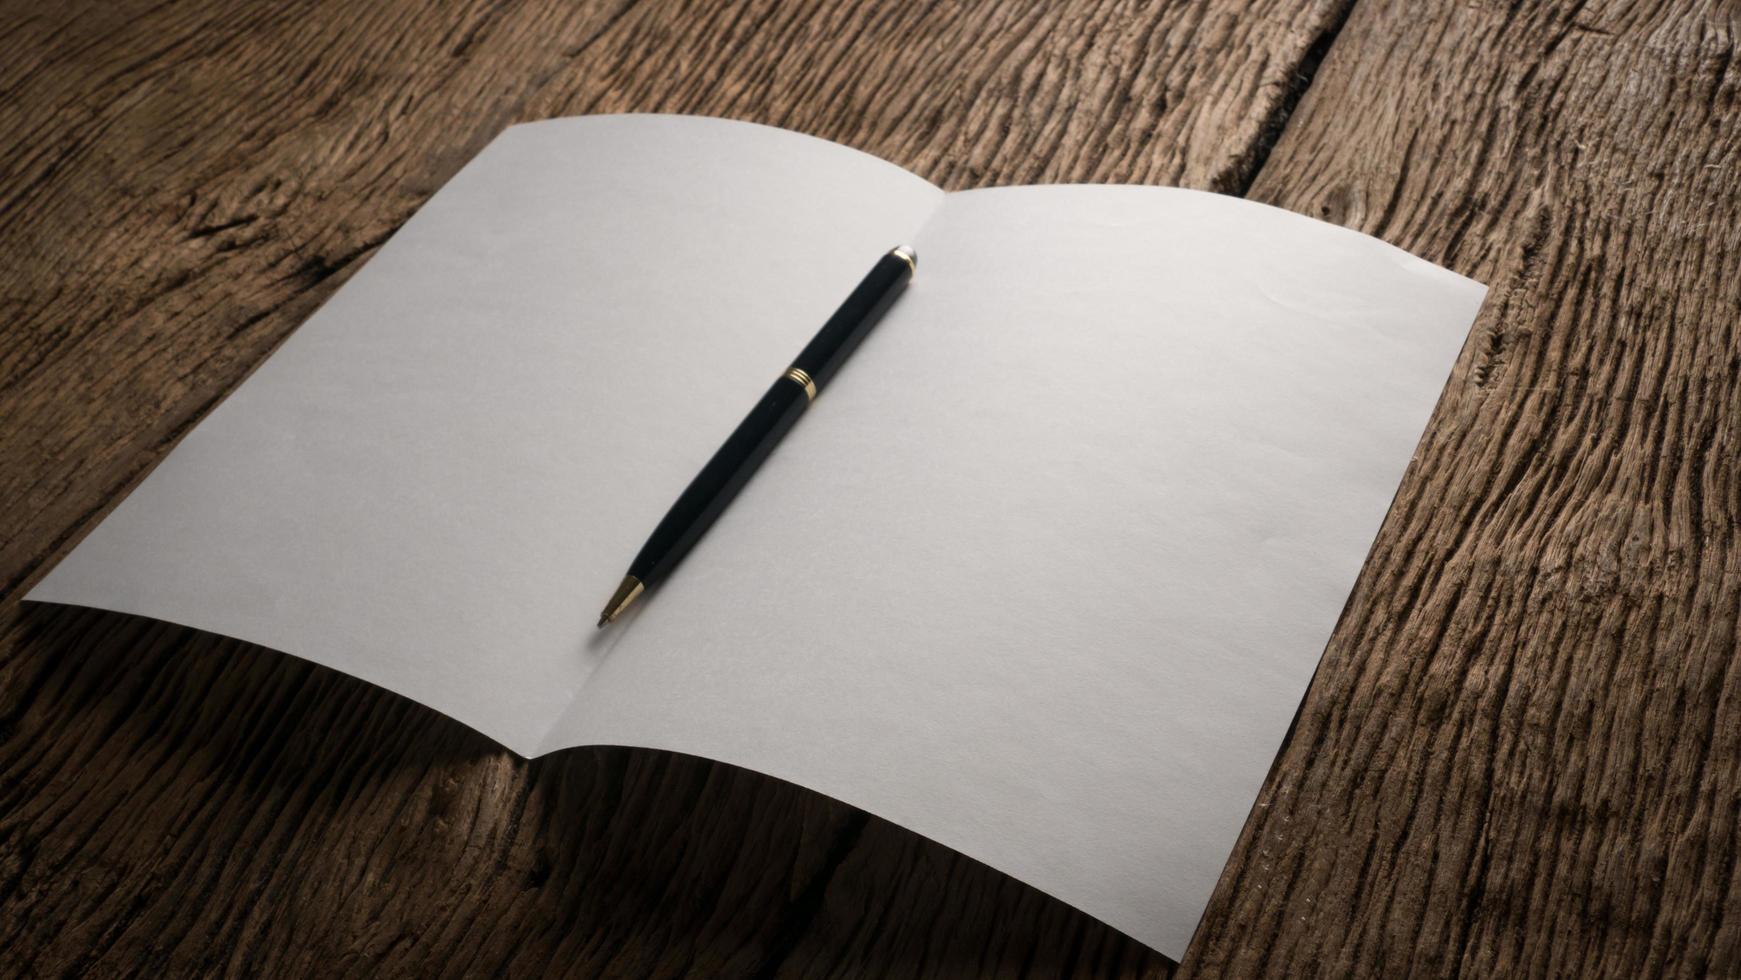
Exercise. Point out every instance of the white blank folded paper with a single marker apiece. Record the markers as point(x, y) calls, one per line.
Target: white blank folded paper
point(1042, 575)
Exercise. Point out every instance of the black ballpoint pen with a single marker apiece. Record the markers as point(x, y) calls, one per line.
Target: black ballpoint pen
point(725, 474)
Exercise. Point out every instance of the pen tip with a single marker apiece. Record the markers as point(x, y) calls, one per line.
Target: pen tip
point(626, 593)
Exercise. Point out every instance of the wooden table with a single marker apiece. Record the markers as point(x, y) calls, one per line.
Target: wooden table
point(1522, 752)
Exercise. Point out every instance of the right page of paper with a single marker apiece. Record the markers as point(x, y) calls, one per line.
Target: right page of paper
point(1044, 573)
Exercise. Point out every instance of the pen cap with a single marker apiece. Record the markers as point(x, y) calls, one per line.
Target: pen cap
point(863, 308)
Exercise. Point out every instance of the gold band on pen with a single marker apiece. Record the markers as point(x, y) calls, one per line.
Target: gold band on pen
point(804, 380)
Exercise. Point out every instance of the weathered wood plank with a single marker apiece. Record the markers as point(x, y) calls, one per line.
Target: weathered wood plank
point(179, 186)
point(1522, 753)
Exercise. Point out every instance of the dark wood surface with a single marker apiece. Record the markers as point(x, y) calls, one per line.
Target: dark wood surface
point(1520, 757)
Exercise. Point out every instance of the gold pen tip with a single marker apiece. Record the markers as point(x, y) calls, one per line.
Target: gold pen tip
point(626, 593)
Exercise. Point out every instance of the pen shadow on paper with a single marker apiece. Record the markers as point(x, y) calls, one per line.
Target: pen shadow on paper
point(356, 826)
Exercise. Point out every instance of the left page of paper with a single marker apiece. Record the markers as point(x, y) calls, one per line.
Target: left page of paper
point(425, 486)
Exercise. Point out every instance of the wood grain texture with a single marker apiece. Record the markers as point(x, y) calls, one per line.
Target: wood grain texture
point(1522, 753)
point(180, 185)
